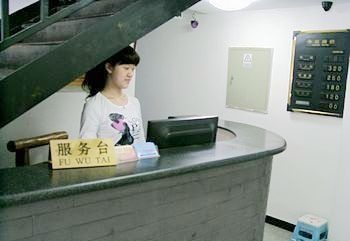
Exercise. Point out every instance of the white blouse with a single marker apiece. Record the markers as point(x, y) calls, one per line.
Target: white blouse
point(101, 118)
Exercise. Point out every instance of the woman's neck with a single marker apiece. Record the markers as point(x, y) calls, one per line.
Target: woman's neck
point(115, 95)
point(112, 92)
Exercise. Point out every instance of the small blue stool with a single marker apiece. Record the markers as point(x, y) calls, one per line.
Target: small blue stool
point(310, 228)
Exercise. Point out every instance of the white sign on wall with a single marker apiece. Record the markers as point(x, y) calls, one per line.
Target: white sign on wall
point(247, 60)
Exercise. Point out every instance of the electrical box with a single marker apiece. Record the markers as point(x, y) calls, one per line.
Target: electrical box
point(248, 81)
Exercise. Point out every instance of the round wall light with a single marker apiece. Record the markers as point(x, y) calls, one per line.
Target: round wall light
point(231, 5)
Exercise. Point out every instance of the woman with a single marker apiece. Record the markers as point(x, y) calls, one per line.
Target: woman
point(108, 112)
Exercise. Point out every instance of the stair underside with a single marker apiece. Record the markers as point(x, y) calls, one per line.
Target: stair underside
point(57, 65)
point(43, 41)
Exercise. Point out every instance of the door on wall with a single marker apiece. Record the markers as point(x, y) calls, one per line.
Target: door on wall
point(248, 82)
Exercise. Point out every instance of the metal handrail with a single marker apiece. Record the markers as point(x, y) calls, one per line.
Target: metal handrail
point(8, 39)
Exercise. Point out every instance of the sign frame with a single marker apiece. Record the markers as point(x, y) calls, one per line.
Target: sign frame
point(79, 153)
point(312, 90)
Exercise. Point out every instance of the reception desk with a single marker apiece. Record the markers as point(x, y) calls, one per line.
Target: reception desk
point(208, 192)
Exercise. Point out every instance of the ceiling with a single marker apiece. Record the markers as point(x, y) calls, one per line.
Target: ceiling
point(205, 7)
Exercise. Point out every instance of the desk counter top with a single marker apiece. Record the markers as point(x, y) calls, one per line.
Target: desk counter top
point(29, 184)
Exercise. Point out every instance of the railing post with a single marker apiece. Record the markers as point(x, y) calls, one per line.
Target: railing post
point(44, 9)
point(5, 23)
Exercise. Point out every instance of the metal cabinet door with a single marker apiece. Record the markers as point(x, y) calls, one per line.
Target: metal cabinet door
point(249, 74)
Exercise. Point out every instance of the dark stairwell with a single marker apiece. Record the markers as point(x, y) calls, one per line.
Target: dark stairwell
point(38, 60)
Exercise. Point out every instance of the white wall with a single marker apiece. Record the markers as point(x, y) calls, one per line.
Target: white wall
point(183, 71)
point(60, 112)
point(15, 5)
point(341, 211)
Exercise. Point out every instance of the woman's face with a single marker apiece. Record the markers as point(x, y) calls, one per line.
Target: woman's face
point(121, 75)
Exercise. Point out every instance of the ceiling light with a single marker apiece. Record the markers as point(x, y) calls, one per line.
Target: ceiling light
point(231, 5)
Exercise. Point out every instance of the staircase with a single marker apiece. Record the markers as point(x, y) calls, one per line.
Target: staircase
point(56, 43)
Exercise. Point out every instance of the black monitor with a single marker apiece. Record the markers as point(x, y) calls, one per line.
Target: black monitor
point(182, 131)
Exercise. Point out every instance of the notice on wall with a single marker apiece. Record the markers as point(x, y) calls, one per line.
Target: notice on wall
point(247, 60)
point(82, 153)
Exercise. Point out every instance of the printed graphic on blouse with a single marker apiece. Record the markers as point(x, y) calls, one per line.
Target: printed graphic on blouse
point(129, 129)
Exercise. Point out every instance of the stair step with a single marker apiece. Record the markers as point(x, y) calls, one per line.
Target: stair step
point(87, 16)
point(36, 19)
point(27, 24)
point(99, 8)
point(59, 5)
point(63, 30)
point(5, 72)
point(20, 54)
point(45, 43)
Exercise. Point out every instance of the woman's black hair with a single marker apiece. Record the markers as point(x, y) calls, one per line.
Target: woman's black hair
point(95, 79)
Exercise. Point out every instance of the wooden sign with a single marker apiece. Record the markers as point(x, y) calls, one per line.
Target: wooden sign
point(82, 153)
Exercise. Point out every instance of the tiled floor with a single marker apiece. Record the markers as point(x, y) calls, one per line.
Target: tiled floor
point(273, 233)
